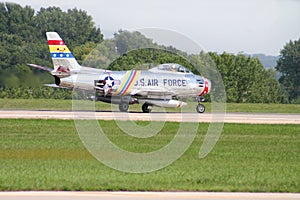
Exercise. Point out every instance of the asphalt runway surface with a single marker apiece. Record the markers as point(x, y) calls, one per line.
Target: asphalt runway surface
point(146, 196)
point(249, 118)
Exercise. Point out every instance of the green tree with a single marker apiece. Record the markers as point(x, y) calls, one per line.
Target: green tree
point(289, 66)
point(246, 80)
point(75, 26)
point(22, 41)
point(126, 41)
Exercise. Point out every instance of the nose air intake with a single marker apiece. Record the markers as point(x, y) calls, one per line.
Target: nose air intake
point(200, 82)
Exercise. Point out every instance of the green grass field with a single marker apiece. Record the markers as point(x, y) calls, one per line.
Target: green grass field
point(52, 104)
point(48, 155)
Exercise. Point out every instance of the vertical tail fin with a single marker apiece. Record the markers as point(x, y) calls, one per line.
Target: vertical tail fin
point(60, 54)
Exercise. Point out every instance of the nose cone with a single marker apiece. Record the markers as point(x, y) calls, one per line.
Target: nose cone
point(207, 87)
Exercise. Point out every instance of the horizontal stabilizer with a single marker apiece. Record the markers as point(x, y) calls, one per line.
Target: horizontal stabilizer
point(52, 85)
point(40, 67)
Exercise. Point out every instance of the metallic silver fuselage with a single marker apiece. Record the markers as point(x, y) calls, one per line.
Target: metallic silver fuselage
point(147, 83)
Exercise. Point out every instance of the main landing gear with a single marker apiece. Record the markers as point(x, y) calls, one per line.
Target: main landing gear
point(146, 108)
point(124, 102)
point(200, 107)
point(123, 107)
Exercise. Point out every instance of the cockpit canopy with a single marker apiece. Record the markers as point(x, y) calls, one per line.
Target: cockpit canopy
point(170, 67)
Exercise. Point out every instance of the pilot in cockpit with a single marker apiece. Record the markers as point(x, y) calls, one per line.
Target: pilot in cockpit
point(173, 68)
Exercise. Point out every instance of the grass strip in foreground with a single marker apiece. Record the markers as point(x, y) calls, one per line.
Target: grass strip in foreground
point(56, 104)
point(48, 155)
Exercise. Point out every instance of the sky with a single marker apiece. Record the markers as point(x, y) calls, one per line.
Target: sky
point(234, 26)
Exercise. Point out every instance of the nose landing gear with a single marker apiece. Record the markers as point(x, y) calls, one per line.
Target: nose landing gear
point(200, 108)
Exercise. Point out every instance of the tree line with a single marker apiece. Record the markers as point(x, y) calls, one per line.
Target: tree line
point(22, 37)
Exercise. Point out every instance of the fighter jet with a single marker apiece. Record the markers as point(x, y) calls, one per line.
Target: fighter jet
point(160, 86)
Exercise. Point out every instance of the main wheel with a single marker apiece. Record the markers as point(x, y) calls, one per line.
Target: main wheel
point(146, 108)
point(200, 108)
point(123, 107)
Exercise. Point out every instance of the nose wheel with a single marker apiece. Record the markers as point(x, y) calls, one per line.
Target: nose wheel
point(200, 107)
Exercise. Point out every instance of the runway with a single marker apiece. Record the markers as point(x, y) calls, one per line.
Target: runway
point(146, 196)
point(249, 118)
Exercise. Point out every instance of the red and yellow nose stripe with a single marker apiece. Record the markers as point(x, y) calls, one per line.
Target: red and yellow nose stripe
point(128, 82)
point(206, 88)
